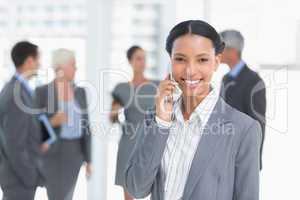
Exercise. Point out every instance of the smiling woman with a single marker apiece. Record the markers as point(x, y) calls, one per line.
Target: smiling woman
point(197, 147)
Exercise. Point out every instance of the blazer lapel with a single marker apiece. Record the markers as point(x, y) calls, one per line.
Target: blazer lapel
point(52, 98)
point(209, 141)
point(53, 101)
point(21, 94)
point(78, 97)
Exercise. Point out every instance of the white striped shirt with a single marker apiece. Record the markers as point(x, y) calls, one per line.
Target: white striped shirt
point(182, 144)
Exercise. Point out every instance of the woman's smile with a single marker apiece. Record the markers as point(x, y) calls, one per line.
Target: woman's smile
point(192, 84)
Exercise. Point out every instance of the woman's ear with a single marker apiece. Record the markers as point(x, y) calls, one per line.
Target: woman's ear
point(218, 61)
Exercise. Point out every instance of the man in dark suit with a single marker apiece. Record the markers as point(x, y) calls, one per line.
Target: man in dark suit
point(20, 131)
point(242, 88)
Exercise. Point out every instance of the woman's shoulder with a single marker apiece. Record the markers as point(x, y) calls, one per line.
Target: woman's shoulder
point(156, 82)
point(121, 86)
point(152, 83)
point(120, 89)
point(239, 117)
point(242, 123)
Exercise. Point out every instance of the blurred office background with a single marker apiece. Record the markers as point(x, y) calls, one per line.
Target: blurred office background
point(100, 31)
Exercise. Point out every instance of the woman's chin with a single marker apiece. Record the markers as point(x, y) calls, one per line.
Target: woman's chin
point(197, 92)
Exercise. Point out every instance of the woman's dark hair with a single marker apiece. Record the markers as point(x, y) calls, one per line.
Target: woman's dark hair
point(21, 51)
point(196, 27)
point(132, 50)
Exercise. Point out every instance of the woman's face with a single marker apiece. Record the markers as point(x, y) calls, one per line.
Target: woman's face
point(138, 61)
point(193, 63)
point(68, 70)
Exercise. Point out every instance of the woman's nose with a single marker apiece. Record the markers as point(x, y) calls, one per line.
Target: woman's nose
point(190, 70)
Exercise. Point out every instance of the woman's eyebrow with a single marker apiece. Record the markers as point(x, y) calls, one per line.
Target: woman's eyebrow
point(179, 54)
point(199, 55)
point(202, 54)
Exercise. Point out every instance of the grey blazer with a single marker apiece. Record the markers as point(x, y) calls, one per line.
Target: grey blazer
point(47, 100)
point(20, 139)
point(225, 166)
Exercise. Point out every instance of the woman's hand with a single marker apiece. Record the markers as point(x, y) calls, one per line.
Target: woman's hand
point(88, 170)
point(113, 116)
point(164, 99)
point(58, 119)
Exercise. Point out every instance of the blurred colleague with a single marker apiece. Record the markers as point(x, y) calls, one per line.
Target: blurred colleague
point(242, 88)
point(66, 107)
point(20, 135)
point(135, 97)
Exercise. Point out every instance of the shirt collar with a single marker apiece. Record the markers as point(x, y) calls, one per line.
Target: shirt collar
point(202, 111)
point(24, 82)
point(20, 77)
point(235, 71)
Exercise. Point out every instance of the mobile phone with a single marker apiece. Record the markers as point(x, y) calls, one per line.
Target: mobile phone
point(177, 92)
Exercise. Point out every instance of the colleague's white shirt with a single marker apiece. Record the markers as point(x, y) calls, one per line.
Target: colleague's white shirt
point(182, 144)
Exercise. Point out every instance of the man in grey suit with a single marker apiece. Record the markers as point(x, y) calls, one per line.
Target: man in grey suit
point(20, 135)
point(243, 88)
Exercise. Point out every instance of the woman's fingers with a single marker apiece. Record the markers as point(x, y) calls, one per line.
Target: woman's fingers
point(167, 85)
point(164, 100)
point(168, 77)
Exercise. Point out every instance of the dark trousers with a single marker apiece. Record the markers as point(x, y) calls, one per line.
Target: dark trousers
point(62, 168)
point(18, 192)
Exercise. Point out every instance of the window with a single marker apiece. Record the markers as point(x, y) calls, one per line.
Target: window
point(50, 24)
point(136, 23)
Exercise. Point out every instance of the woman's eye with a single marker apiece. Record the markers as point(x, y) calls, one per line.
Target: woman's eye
point(203, 60)
point(179, 59)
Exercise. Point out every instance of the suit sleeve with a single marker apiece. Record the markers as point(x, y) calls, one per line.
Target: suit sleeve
point(87, 137)
point(40, 103)
point(256, 107)
point(16, 133)
point(38, 97)
point(246, 182)
point(45, 100)
point(116, 94)
point(145, 160)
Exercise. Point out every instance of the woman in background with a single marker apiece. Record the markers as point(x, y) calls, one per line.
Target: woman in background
point(66, 106)
point(135, 97)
